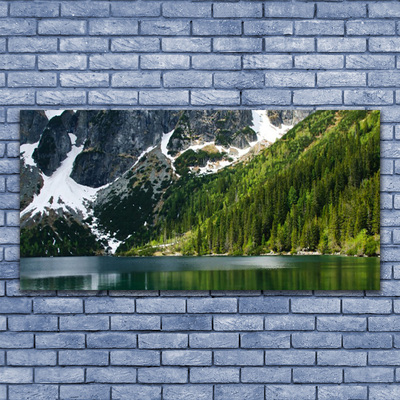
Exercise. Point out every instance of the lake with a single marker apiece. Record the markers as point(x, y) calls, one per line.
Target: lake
point(201, 273)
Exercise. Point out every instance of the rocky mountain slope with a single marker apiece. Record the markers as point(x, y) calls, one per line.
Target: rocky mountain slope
point(93, 180)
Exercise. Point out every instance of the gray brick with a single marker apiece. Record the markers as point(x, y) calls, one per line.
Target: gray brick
point(113, 27)
point(386, 323)
point(13, 220)
point(61, 61)
point(37, 9)
point(13, 151)
point(238, 10)
point(165, 28)
point(241, 323)
point(186, 357)
point(129, 9)
point(109, 340)
point(217, 27)
point(61, 97)
point(32, 79)
point(164, 61)
point(215, 62)
point(61, 27)
point(32, 323)
point(289, 45)
point(193, 45)
point(178, 392)
point(367, 306)
point(342, 358)
point(32, 45)
point(346, 10)
point(341, 45)
point(214, 340)
point(373, 28)
point(184, 9)
point(315, 97)
point(237, 45)
point(341, 323)
point(108, 306)
point(87, 45)
point(342, 78)
point(164, 306)
point(83, 79)
point(113, 61)
point(135, 357)
point(17, 61)
point(110, 375)
point(370, 61)
point(234, 392)
point(289, 79)
point(60, 341)
point(367, 341)
point(316, 340)
point(214, 375)
point(264, 340)
point(155, 98)
point(262, 375)
point(384, 78)
point(163, 375)
point(135, 322)
point(187, 79)
point(325, 306)
point(136, 79)
point(346, 392)
point(268, 28)
point(267, 61)
point(288, 10)
point(85, 9)
point(83, 357)
point(238, 357)
point(369, 375)
point(290, 392)
point(16, 340)
point(163, 340)
point(59, 375)
point(387, 44)
point(31, 357)
point(135, 44)
point(98, 392)
point(136, 392)
point(319, 61)
point(3, 9)
point(384, 10)
point(37, 392)
point(15, 306)
point(19, 26)
point(384, 357)
point(368, 97)
point(84, 322)
point(16, 375)
point(289, 323)
point(187, 323)
point(317, 375)
point(272, 97)
point(263, 305)
point(318, 27)
point(290, 357)
point(214, 97)
point(212, 305)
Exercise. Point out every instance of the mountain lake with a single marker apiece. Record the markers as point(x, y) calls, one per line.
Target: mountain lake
point(302, 272)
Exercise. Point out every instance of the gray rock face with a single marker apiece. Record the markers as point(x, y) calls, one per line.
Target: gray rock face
point(223, 127)
point(53, 147)
point(32, 125)
point(31, 182)
point(287, 117)
point(114, 140)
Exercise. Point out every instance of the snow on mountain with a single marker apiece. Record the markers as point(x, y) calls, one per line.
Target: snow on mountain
point(26, 151)
point(60, 191)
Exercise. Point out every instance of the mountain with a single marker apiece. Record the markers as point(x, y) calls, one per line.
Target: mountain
point(96, 182)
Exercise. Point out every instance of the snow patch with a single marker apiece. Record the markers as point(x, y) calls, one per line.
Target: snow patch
point(264, 129)
point(26, 151)
point(164, 143)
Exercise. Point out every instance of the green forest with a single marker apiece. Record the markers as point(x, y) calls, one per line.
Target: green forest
point(314, 190)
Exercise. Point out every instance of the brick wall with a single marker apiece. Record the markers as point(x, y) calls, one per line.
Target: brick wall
point(199, 345)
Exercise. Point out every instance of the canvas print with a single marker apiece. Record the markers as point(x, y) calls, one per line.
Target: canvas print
point(200, 200)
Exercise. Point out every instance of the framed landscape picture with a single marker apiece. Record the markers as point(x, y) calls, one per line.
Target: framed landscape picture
point(200, 200)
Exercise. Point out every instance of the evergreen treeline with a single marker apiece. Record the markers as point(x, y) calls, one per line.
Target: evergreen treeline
point(316, 189)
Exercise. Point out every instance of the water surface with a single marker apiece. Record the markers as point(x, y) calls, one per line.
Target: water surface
point(201, 273)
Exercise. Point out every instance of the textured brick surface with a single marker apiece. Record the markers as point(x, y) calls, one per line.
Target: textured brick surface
point(199, 345)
